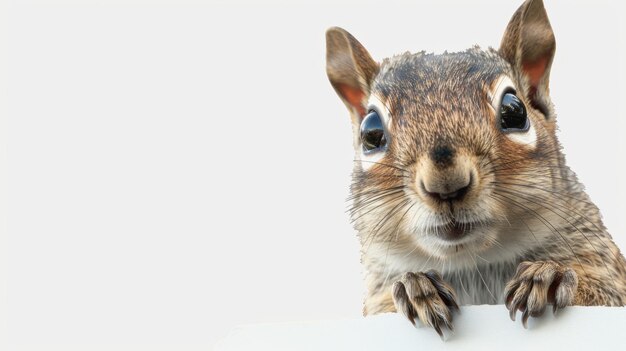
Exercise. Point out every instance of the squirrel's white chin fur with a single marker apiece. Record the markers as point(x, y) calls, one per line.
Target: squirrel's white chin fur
point(479, 247)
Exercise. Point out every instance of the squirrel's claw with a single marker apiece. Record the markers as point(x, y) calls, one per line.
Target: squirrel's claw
point(535, 285)
point(425, 296)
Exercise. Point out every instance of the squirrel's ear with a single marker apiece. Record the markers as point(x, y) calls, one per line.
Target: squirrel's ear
point(528, 45)
point(350, 68)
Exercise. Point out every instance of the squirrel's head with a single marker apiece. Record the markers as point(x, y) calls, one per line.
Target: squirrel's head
point(445, 143)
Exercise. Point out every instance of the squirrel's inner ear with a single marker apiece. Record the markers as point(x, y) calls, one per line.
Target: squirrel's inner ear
point(528, 45)
point(350, 69)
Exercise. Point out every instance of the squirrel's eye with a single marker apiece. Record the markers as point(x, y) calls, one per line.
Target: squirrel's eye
point(513, 116)
point(372, 132)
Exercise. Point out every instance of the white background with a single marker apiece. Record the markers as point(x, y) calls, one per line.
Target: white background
point(176, 168)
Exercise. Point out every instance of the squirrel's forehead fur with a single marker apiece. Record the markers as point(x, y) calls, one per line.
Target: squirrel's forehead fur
point(413, 82)
point(437, 99)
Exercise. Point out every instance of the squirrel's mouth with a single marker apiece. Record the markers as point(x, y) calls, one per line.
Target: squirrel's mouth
point(455, 231)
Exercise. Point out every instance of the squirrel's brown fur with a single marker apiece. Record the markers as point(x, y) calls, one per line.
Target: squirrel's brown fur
point(537, 240)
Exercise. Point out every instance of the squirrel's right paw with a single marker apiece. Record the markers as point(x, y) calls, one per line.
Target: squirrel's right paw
point(427, 297)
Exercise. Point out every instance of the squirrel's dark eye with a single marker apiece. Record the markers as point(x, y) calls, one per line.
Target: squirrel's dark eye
point(513, 116)
point(372, 132)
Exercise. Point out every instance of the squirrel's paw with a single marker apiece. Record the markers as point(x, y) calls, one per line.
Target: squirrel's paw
point(536, 284)
point(427, 297)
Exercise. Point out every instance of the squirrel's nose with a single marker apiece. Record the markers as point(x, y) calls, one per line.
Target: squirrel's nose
point(446, 175)
point(457, 192)
point(447, 189)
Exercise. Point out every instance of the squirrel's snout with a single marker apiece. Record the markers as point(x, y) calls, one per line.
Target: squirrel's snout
point(444, 184)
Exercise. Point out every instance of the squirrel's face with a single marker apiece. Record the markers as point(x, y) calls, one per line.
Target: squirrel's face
point(444, 143)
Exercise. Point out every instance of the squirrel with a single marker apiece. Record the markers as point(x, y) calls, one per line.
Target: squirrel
point(460, 192)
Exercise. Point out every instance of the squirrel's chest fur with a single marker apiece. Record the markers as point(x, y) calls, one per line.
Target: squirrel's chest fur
point(478, 279)
point(481, 285)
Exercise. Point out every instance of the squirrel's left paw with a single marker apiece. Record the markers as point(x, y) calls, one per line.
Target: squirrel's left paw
point(536, 284)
